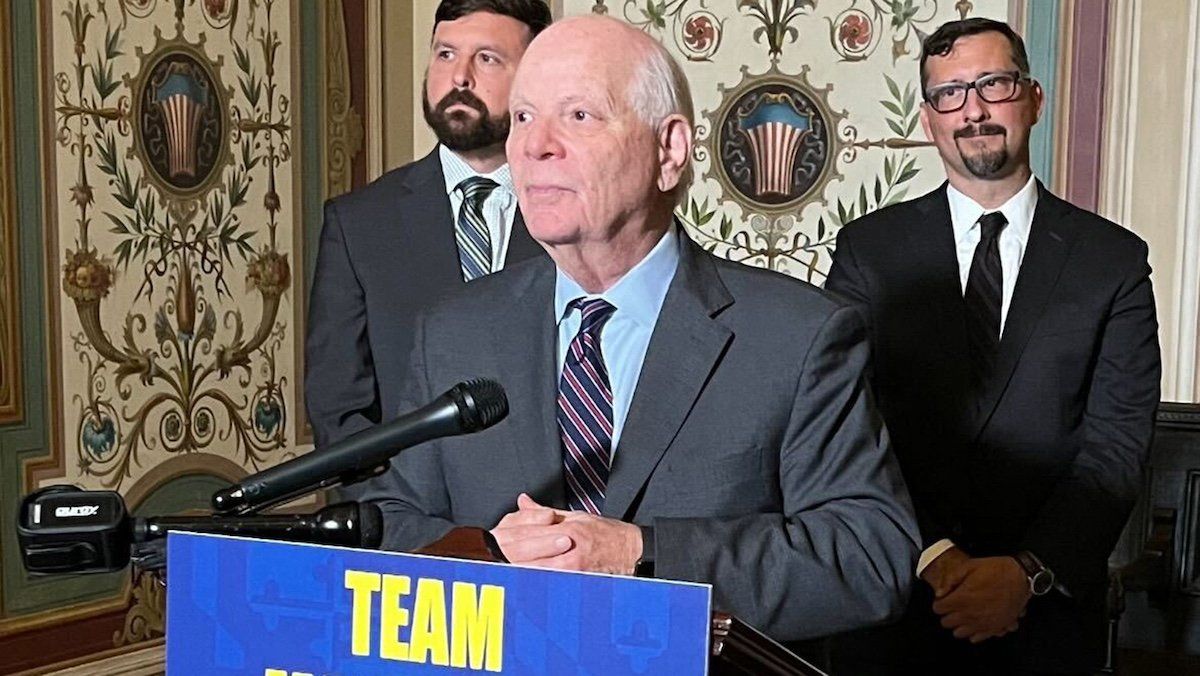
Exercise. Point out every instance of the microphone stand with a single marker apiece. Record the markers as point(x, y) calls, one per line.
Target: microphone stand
point(348, 524)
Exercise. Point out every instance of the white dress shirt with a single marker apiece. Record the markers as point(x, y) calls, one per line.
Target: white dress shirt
point(1018, 210)
point(964, 216)
point(499, 209)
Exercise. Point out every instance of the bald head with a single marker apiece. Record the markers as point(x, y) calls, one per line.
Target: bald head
point(598, 41)
point(634, 63)
point(600, 146)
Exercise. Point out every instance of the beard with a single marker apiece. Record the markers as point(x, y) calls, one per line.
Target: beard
point(985, 163)
point(457, 130)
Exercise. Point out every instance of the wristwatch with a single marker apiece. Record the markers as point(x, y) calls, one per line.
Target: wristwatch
point(1041, 578)
point(644, 567)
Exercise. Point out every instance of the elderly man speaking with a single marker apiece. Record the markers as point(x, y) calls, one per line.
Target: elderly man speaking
point(670, 411)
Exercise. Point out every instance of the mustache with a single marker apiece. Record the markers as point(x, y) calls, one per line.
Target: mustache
point(985, 129)
point(461, 96)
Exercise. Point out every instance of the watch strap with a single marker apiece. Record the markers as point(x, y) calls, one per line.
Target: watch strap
point(1041, 578)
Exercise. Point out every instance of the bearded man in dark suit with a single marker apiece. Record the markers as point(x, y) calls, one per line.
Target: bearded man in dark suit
point(423, 228)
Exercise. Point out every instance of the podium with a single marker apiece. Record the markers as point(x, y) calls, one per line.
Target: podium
point(244, 606)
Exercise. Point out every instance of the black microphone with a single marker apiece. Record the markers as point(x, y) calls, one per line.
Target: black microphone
point(62, 529)
point(468, 407)
point(348, 524)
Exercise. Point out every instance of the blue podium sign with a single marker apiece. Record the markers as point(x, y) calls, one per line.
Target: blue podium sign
point(243, 606)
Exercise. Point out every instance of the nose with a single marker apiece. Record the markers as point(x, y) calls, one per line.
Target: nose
point(974, 108)
point(541, 140)
point(463, 76)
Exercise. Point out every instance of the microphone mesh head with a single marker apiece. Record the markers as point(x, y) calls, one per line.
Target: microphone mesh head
point(485, 403)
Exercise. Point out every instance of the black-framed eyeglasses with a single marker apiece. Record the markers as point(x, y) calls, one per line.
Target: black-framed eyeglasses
point(992, 88)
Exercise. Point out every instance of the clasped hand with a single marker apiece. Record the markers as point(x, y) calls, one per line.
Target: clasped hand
point(977, 598)
point(553, 538)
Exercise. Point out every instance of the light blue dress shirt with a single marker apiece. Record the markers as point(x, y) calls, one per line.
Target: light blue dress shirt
point(638, 297)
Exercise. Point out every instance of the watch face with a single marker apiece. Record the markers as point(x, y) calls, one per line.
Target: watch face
point(644, 568)
point(1041, 583)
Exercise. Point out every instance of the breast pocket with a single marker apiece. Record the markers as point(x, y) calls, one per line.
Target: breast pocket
point(1072, 335)
point(1067, 319)
point(1061, 359)
point(714, 479)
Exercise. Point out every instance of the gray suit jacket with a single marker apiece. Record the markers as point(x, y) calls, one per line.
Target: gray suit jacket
point(751, 445)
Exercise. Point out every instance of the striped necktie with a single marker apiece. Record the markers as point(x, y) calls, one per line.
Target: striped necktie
point(984, 295)
point(471, 231)
point(585, 410)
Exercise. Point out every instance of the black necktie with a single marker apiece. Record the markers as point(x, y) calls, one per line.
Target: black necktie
point(984, 295)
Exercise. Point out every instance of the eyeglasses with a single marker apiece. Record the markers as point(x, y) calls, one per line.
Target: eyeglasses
point(992, 88)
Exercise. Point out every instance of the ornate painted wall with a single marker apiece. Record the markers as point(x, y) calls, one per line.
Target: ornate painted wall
point(173, 233)
point(160, 220)
point(806, 115)
point(119, 357)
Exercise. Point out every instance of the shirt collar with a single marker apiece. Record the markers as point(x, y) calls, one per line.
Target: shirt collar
point(455, 170)
point(1018, 210)
point(638, 294)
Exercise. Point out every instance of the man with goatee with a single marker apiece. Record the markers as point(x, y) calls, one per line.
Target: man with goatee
point(1016, 364)
point(423, 228)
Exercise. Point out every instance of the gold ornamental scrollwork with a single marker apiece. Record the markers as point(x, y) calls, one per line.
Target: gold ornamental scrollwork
point(146, 617)
point(343, 128)
point(180, 370)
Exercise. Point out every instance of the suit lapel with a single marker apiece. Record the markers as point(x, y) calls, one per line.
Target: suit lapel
point(932, 247)
point(425, 202)
point(528, 360)
point(1050, 240)
point(521, 245)
point(424, 207)
point(685, 347)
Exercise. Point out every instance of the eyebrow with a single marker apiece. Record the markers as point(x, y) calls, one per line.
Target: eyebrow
point(606, 102)
point(488, 47)
point(518, 100)
point(980, 74)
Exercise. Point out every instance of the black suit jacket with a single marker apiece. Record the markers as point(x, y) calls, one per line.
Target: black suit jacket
point(1048, 455)
point(386, 250)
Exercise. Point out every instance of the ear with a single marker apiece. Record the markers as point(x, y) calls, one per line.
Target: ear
point(1039, 99)
point(925, 111)
point(674, 151)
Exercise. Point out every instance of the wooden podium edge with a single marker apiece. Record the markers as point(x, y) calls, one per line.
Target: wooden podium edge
point(473, 544)
point(735, 647)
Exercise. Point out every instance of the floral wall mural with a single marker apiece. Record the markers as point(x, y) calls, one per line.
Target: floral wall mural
point(172, 122)
point(806, 115)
